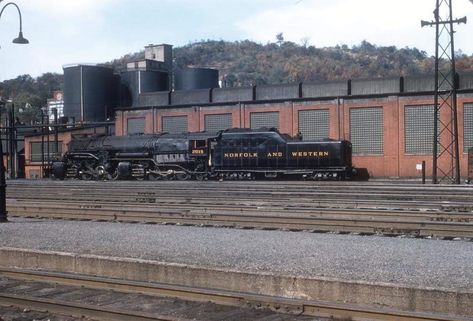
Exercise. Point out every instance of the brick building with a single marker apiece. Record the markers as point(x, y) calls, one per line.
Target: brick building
point(389, 121)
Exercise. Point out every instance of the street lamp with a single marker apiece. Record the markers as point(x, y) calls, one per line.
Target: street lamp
point(20, 39)
point(3, 186)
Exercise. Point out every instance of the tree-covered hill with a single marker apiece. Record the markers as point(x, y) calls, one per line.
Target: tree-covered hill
point(30, 94)
point(246, 62)
point(243, 63)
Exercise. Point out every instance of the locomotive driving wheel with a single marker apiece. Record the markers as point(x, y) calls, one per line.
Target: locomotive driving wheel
point(200, 174)
point(86, 170)
point(183, 176)
point(86, 176)
point(155, 177)
point(113, 176)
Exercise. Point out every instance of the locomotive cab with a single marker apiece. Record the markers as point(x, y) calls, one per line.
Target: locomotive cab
point(199, 147)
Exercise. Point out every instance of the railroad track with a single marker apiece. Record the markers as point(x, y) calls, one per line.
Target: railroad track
point(255, 205)
point(78, 310)
point(197, 195)
point(252, 190)
point(237, 299)
point(439, 224)
point(321, 200)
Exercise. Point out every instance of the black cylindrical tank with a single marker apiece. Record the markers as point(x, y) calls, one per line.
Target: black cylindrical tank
point(133, 83)
point(88, 93)
point(195, 78)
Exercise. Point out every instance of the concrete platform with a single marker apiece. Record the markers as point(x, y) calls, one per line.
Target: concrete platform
point(406, 274)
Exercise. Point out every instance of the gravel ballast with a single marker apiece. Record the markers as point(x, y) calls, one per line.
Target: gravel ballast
point(402, 261)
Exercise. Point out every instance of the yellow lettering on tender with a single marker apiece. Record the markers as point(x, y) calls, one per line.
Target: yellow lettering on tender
point(237, 155)
point(306, 154)
point(274, 154)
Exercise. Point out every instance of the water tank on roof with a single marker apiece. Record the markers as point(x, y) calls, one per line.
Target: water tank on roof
point(89, 93)
point(133, 83)
point(195, 78)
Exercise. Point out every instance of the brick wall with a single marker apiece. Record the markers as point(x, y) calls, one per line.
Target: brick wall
point(394, 162)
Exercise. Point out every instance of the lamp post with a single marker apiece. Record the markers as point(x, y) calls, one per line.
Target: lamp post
point(42, 141)
point(56, 134)
point(3, 186)
point(12, 141)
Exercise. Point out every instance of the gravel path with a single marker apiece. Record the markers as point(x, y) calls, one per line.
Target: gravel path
point(412, 262)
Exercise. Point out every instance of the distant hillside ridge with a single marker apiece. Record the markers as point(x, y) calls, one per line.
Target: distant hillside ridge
point(244, 63)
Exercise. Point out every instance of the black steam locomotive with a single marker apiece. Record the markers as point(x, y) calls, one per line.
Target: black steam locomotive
point(229, 154)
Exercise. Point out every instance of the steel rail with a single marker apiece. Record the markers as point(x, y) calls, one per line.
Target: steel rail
point(283, 305)
point(193, 196)
point(241, 209)
point(252, 185)
point(79, 310)
point(274, 185)
point(61, 192)
point(404, 195)
point(269, 182)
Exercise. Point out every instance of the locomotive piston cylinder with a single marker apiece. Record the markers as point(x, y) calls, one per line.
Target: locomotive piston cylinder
point(124, 169)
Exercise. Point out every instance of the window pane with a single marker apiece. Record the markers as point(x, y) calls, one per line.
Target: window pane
point(136, 126)
point(268, 119)
point(314, 124)
point(174, 124)
point(468, 127)
point(419, 129)
point(37, 151)
point(367, 130)
point(218, 122)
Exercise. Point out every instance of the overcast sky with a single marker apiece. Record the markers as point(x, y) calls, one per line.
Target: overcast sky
point(93, 31)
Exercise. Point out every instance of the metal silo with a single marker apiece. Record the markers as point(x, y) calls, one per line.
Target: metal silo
point(195, 78)
point(88, 92)
point(134, 83)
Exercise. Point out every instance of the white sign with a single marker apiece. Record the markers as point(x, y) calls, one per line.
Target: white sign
point(419, 167)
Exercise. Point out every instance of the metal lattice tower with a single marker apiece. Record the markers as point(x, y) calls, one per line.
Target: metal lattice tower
point(445, 157)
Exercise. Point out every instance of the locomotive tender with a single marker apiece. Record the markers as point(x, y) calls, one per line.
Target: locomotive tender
point(228, 154)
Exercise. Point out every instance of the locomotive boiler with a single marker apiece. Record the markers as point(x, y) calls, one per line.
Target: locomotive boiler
point(229, 154)
point(154, 157)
